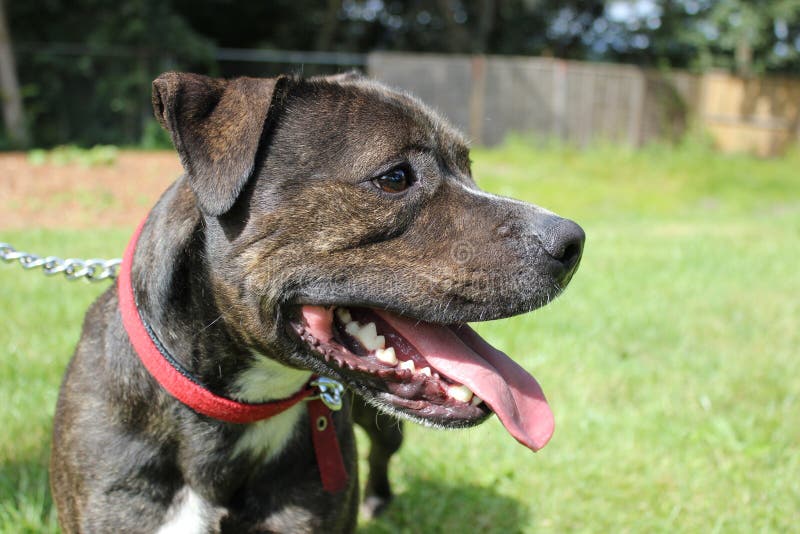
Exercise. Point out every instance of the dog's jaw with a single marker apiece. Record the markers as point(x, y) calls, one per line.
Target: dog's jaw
point(384, 369)
point(426, 372)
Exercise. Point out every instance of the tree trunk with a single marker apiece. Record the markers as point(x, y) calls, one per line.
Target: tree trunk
point(744, 58)
point(13, 115)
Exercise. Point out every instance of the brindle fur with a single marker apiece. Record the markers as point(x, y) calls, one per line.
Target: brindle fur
point(277, 209)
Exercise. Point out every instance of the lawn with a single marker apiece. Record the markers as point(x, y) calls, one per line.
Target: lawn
point(672, 362)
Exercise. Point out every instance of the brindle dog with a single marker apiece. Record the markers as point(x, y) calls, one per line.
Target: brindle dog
point(308, 210)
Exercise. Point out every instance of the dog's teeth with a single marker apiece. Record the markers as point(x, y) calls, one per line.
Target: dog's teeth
point(368, 336)
point(369, 330)
point(425, 371)
point(386, 356)
point(476, 400)
point(407, 364)
point(461, 392)
point(352, 328)
point(344, 315)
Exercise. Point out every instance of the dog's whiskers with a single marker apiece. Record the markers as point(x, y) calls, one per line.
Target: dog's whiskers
point(209, 325)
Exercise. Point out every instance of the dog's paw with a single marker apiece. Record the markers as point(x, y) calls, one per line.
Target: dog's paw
point(373, 506)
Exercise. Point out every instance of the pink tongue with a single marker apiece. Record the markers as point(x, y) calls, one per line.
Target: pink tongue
point(463, 356)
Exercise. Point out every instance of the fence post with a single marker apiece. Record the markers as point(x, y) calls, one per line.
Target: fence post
point(560, 98)
point(637, 103)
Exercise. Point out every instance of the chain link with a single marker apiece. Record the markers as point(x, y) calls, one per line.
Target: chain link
point(93, 270)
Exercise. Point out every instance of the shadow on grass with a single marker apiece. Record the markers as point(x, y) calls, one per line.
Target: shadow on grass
point(429, 506)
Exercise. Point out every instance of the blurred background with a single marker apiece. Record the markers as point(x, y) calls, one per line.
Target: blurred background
point(669, 129)
point(633, 70)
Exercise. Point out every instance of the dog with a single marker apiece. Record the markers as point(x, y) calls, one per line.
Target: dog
point(327, 231)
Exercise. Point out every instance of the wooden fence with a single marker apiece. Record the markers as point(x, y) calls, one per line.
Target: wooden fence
point(760, 115)
point(490, 96)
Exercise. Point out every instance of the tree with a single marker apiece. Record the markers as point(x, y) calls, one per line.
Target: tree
point(13, 114)
point(88, 64)
point(739, 35)
point(96, 90)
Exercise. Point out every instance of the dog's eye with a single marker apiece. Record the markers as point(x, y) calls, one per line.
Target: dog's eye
point(395, 181)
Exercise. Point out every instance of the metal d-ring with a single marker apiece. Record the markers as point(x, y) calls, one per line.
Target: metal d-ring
point(330, 392)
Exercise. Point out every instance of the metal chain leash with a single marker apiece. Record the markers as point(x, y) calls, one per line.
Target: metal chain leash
point(93, 270)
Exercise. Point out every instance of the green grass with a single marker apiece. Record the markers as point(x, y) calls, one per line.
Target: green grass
point(672, 362)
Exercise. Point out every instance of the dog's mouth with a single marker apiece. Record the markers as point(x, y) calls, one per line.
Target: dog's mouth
point(438, 374)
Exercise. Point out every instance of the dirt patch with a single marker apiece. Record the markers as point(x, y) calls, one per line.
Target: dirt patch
point(75, 196)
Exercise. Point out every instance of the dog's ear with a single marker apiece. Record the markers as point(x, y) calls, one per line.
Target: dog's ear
point(216, 126)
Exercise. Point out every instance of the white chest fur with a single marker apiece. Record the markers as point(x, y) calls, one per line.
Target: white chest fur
point(190, 514)
point(268, 380)
point(264, 381)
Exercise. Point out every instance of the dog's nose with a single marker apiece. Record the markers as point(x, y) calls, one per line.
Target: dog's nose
point(563, 241)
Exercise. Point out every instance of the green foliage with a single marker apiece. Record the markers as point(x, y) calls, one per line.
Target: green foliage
point(96, 88)
point(155, 137)
point(737, 35)
point(71, 154)
point(753, 37)
point(670, 362)
point(86, 65)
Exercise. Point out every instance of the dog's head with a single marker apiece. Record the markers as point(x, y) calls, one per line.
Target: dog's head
point(349, 238)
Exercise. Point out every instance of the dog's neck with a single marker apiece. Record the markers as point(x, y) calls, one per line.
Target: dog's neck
point(171, 282)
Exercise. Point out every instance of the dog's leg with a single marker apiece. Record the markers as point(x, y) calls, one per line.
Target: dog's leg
point(385, 434)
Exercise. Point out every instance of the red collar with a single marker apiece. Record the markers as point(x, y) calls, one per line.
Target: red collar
point(179, 383)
